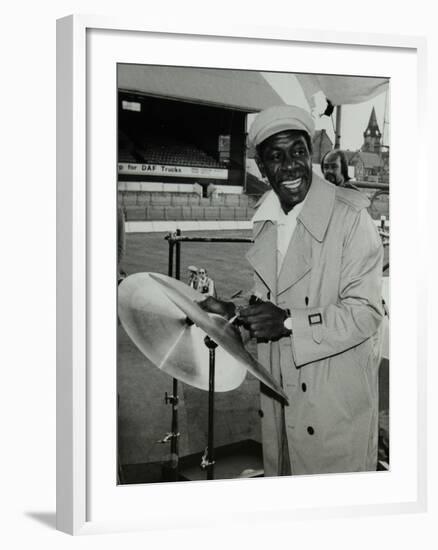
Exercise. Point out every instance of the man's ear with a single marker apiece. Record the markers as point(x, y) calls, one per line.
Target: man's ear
point(260, 166)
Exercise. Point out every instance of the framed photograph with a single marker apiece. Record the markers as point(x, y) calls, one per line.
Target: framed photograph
point(283, 395)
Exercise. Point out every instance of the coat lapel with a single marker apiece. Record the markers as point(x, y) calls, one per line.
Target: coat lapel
point(312, 223)
point(318, 208)
point(297, 261)
point(263, 254)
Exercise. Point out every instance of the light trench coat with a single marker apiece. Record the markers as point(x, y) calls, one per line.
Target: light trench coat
point(330, 279)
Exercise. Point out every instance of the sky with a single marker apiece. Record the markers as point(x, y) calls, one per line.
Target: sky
point(354, 118)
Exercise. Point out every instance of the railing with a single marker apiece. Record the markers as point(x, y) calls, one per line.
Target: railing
point(372, 185)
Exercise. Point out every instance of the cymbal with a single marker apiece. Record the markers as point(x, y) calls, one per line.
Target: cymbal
point(218, 328)
point(158, 327)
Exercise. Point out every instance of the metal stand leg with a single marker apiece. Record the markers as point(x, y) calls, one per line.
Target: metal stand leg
point(208, 458)
point(173, 399)
point(174, 447)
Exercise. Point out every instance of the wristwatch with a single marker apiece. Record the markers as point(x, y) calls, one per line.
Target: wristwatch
point(288, 321)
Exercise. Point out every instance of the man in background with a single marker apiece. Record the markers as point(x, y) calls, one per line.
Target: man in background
point(334, 167)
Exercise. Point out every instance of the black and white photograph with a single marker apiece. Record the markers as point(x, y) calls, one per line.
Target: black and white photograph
point(204, 346)
point(253, 237)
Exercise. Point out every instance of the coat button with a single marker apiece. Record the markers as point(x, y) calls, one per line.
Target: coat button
point(310, 430)
point(261, 413)
point(303, 387)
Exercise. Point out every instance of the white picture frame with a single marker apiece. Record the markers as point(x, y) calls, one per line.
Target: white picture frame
point(80, 225)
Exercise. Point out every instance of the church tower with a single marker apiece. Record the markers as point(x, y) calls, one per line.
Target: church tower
point(372, 136)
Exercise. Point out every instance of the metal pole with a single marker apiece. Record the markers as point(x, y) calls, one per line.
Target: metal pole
point(372, 185)
point(338, 127)
point(174, 435)
point(209, 464)
point(170, 261)
point(210, 467)
point(178, 256)
point(183, 239)
point(174, 447)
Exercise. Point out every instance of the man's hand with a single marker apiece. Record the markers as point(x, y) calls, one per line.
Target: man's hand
point(213, 305)
point(264, 321)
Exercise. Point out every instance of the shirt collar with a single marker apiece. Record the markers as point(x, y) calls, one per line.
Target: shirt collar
point(269, 209)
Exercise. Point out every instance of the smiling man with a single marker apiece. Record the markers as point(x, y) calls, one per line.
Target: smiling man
point(285, 160)
point(317, 259)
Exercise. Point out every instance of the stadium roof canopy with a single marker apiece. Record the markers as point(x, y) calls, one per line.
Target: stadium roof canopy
point(240, 90)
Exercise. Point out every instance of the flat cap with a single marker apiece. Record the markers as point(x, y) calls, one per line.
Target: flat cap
point(192, 268)
point(278, 119)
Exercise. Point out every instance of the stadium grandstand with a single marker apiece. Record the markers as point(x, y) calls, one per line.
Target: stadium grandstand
point(181, 142)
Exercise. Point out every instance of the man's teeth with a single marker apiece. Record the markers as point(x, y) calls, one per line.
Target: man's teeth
point(292, 184)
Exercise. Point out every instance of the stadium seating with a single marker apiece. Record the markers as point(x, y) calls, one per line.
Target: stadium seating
point(179, 199)
point(232, 200)
point(144, 198)
point(226, 213)
point(129, 198)
point(241, 213)
point(169, 151)
point(198, 212)
point(173, 213)
point(126, 149)
point(158, 198)
point(211, 213)
point(155, 213)
point(217, 200)
point(155, 206)
point(135, 213)
point(126, 156)
point(186, 213)
point(194, 200)
point(185, 199)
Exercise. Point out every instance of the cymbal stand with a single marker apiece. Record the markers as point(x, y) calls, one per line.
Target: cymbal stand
point(173, 436)
point(207, 461)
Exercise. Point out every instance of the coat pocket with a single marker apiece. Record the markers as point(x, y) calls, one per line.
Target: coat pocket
point(349, 382)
